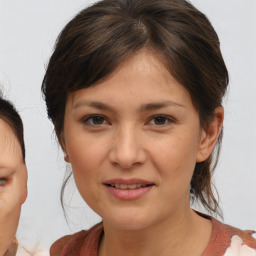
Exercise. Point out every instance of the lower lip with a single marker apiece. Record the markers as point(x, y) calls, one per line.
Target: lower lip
point(129, 194)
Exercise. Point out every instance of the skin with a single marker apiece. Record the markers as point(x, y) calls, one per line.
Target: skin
point(146, 128)
point(13, 185)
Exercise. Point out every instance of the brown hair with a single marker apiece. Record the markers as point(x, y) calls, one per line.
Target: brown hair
point(102, 36)
point(9, 114)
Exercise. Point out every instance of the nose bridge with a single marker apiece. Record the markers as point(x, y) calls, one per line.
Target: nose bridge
point(127, 149)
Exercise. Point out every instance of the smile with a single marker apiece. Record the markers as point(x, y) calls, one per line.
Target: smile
point(130, 186)
point(132, 189)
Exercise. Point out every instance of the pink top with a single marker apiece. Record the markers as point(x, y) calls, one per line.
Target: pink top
point(225, 241)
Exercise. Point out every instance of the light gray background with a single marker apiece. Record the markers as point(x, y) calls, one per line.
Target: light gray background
point(28, 29)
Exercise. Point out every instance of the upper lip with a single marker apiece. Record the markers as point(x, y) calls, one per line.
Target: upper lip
point(128, 181)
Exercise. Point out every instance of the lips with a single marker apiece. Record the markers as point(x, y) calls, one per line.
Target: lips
point(128, 189)
point(126, 186)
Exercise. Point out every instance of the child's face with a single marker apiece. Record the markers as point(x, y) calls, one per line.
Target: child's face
point(133, 141)
point(13, 185)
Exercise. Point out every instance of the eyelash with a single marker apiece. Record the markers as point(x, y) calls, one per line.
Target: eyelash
point(166, 119)
point(89, 120)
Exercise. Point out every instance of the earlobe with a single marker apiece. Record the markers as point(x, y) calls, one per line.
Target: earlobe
point(66, 157)
point(210, 135)
point(24, 196)
point(24, 188)
point(63, 146)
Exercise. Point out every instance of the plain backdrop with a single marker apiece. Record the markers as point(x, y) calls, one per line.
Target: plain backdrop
point(28, 29)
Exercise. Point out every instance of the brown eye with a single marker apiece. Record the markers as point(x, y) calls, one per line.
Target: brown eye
point(160, 120)
point(3, 181)
point(95, 120)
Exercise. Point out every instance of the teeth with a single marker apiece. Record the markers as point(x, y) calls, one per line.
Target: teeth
point(125, 186)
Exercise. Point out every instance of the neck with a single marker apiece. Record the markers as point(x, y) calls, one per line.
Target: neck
point(12, 249)
point(183, 234)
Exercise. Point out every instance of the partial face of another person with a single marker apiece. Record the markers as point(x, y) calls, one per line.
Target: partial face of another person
point(133, 140)
point(13, 185)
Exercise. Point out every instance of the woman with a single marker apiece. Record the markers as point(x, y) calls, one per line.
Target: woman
point(134, 89)
point(13, 176)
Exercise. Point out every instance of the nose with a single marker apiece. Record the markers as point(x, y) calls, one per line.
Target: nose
point(127, 148)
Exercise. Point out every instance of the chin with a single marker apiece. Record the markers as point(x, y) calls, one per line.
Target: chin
point(129, 225)
point(130, 221)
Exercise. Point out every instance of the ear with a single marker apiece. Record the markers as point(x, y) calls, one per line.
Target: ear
point(66, 157)
point(24, 195)
point(63, 146)
point(24, 189)
point(210, 135)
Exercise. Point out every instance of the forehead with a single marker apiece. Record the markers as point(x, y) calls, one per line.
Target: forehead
point(9, 144)
point(141, 65)
point(144, 71)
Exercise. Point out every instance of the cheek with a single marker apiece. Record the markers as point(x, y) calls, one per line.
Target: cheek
point(175, 161)
point(9, 217)
point(86, 152)
point(12, 197)
point(85, 158)
point(9, 213)
point(175, 157)
point(82, 156)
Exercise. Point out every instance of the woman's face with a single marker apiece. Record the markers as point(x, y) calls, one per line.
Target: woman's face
point(13, 185)
point(133, 141)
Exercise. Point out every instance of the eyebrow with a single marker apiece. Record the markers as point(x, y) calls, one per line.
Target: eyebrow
point(143, 108)
point(159, 105)
point(2, 167)
point(94, 104)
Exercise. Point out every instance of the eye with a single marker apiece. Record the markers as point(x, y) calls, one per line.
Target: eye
point(3, 182)
point(160, 120)
point(95, 120)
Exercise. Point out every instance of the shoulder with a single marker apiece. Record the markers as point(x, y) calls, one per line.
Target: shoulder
point(239, 247)
point(24, 252)
point(228, 231)
point(71, 245)
point(230, 241)
point(67, 243)
point(241, 242)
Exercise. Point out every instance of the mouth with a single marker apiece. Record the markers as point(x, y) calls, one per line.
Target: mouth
point(128, 186)
point(128, 189)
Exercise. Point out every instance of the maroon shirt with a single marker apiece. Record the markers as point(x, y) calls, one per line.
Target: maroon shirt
point(86, 243)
